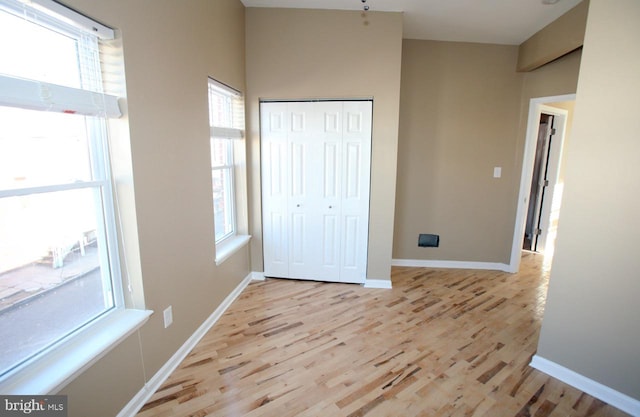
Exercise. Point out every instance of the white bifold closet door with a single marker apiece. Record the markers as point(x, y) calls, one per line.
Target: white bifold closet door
point(316, 159)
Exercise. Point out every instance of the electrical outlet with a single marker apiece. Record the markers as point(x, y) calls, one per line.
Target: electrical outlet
point(168, 317)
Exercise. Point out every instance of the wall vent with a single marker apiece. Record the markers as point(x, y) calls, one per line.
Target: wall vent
point(426, 240)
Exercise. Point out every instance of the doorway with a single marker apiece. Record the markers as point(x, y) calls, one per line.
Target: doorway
point(546, 190)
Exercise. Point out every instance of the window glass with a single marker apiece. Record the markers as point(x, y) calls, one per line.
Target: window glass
point(57, 236)
point(221, 152)
point(220, 109)
point(42, 148)
point(223, 190)
point(37, 53)
point(222, 203)
point(225, 111)
point(222, 179)
point(50, 268)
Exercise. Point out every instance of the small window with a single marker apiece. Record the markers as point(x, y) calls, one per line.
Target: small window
point(226, 120)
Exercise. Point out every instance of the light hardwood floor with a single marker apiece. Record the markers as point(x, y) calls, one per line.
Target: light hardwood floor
point(440, 343)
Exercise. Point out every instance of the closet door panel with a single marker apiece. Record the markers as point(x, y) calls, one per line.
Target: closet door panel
point(303, 189)
point(275, 179)
point(356, 150)
point(328, 142)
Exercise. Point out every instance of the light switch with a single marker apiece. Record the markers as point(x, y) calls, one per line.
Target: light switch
point(168, 317)
point(497, 172)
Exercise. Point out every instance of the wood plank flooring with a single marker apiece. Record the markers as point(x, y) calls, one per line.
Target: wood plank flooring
point(440, 343)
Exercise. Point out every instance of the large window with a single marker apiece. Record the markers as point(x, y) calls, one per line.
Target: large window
point(226, 119)
point(59, 269)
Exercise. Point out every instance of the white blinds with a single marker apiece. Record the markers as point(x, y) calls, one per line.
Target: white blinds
point(227, 116)
point(39, 95)
point(226, 133)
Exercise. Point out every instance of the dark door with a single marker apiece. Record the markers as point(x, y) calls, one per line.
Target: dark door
point(539, 183)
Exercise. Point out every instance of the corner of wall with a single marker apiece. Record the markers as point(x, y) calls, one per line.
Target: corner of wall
point(560, 37)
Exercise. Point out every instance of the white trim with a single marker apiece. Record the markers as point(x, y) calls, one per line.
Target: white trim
point(17, 192)
point(229, 246)
point(535, 109)
point(218, 132)
point(141, 398)
point(54, 13)
point(70, 16)
point(384, 284)
point(222, 88)
point(426, 263)
point(602, 392)
point(258, 276)
point(53, 369)
point(551, 199)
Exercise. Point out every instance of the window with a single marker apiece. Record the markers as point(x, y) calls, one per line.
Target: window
point(226, 120)
point(59, 269)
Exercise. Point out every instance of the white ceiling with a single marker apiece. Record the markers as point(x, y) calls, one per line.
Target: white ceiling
point(508, 22)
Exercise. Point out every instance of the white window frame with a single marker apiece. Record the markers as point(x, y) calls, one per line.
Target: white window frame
point(227, 169)
point(231, 242)
point(54, 367)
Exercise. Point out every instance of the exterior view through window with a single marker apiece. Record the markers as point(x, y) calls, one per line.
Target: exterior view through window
point(57, 250)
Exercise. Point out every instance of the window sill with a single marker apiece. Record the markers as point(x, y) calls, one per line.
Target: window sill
point(229, 246)
point(55, 368)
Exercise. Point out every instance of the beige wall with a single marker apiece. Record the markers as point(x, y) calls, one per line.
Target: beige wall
point(569, 106)
point(591, 318)
point(170, 48)
point(556, 78)
point(299, 54)
point(463, 111)
point(458, 120)
point(560, 37)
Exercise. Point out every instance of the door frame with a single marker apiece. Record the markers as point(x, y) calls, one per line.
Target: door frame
point(551, 197)
point(537, 106)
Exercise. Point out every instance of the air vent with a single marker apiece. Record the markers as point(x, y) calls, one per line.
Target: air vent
point(426, 240)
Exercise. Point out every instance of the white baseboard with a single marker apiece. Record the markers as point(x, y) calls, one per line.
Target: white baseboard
point(602, 392)
point(257, 276)
point(141, 398)
point(425, 263)
point(378, 283)
point(369, 283)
